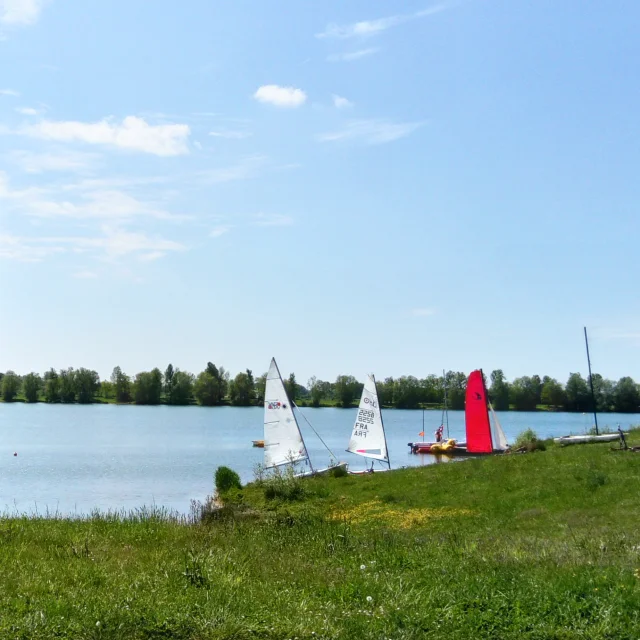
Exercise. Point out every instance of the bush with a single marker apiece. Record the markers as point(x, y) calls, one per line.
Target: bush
point(338, 472)
point(529, 441)
point(226, 479)
point(283, 485)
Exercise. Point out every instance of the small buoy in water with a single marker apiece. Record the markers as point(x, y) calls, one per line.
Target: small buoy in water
point(15, 453)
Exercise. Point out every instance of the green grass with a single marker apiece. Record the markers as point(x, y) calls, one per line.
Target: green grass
point(533, 546)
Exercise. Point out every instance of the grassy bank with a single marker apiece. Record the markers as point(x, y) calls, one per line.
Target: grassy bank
point(542, 545)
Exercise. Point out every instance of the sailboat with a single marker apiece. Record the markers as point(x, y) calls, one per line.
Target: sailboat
point(283, 441)
point(368, 438)
point(484, 432)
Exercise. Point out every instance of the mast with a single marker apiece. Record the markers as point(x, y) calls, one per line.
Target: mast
point(445, 410)
point(593, 395)
point(386, 444)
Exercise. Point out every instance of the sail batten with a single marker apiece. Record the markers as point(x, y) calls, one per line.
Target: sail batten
point(368, 437)
point(283, 441)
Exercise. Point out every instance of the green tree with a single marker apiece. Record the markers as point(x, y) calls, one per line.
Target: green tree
point(182, 387)
point(577, 392)
point(553, 393)
point(147, 387)
point(261, 385)
point(51, 386)
point(626, 396)
point(499, 391)
point(407, 393)
point(292, 387)
point(168, 384)
point(207, 389)
point(317, 391)
point(31, 385)
point(87, 383)
point(346, 390)
point(603, 390)
point(10, 386)
point(121, 384)
point(67, 385)
point(456, 389)
point(107, 390)
point(242, 390)
point(385, 392)
point(523, 394)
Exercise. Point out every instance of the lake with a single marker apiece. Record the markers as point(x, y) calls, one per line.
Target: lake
point(74, 458)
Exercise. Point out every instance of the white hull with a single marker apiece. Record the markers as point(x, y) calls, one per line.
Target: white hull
point(322, 472)
point(607, 437)
point(364, 472)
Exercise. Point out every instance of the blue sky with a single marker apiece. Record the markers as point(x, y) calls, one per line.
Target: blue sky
point(350, 187)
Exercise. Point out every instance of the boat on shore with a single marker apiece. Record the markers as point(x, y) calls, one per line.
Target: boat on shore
point(583, 439)
point(368, 438)
point(484, 433)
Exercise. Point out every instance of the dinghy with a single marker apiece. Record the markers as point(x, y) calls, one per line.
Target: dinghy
point(484, 436)
point(368, 438)
point(283, 441)
point(605, 437)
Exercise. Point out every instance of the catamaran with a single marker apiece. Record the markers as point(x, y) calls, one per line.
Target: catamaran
point(283, 441)
point(368, 438)
point(484, 435)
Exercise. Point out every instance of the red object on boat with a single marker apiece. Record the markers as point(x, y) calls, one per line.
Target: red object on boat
point(476, 415)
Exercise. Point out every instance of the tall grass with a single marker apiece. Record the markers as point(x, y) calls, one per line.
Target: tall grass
point(514, 546)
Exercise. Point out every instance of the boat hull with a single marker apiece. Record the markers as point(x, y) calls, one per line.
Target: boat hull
point(322, 472)
point(606, 437)
point(364, 472)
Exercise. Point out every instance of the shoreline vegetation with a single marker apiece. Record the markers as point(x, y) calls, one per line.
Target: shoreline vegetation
point(215, 387)
point(536, 545)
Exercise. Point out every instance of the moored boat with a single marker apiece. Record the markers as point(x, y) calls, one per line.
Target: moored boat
point(582, 439)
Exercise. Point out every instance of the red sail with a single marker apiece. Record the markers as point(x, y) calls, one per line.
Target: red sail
point(476, 415)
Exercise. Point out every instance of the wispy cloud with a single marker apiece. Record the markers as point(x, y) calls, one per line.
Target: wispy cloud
point(20, 12)
point(369, 28)
point(288, 97)
point(66, 161)
point(9, 92)
point(631, 337)
point(341, 103)
point(245, 169)
point(27, 111)
point(372, 131)
point(272, 220)
point(220, 230)
point(230, 134)
point(90, 204)
point(422, 313)
point(132, 133)
point(350, 56)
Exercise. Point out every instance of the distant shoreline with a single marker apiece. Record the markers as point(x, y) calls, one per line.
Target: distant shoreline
point(302, 405)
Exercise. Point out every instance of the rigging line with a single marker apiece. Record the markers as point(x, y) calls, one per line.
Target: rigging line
point(314, 431)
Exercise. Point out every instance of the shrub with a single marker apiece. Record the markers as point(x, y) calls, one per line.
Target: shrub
point(226, 479)
point(338, 472)
point(529, 441)
point(283, 486)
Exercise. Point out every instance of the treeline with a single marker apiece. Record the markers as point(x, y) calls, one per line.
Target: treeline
point(214, 387)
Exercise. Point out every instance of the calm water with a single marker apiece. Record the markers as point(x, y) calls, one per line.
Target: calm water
point(76, 458)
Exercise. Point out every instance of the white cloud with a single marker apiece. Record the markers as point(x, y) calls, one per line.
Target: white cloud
point(350, 56)
point(43, 162)
point(272, 220)
point(220, 230)
point(231, 135)
point(368, 28)
point(27, 111)
point(9, 92)
point(372, 131)
point(422, 313)
point(247, 168)
point(21, 250)
point(341, 103)
point(280, 96)
point(20, 12)
point(96, 204)
point(133, 133)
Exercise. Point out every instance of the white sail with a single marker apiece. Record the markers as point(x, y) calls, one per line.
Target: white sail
point(497, 434)
point(368, 438)
point(282, 438)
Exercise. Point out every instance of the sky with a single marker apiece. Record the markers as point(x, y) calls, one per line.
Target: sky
point(371, 186)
